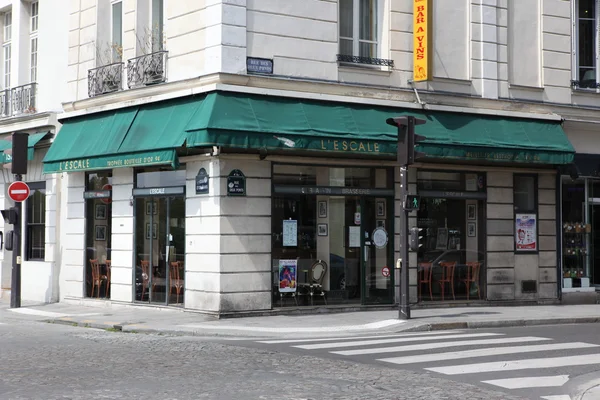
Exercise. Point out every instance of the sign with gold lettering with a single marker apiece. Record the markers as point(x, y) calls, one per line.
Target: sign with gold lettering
point(160, 157)
point(421, 50)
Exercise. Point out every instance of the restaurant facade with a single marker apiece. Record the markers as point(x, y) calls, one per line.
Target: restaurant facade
point(227, 201)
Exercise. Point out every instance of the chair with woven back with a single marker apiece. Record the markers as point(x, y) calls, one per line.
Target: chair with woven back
point(473, 269)
point(448, 269)
point(176, 278)
point(97, 277)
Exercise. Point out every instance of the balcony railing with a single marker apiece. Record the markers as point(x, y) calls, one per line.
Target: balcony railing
point(148, 69)
point(105, 79)
point(17, 101)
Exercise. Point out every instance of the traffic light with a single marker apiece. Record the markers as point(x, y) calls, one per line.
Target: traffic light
point(407, 138)
point(415, 239)
point(412, 202)
point(10, 215)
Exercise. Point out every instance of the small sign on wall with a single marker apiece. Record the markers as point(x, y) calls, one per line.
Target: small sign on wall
point(259, 65)
point(202, 181)
point(526, 232)
point(236, 183)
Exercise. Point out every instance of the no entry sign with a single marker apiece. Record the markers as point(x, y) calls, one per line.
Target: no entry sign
point(18, 191)
point(385, 271)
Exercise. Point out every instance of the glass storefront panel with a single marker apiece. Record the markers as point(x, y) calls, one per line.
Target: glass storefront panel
point(98, 234)
point(160, 242)
point(323, 248)
point(451, 260)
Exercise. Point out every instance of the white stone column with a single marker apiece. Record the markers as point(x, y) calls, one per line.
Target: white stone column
point(122, 260)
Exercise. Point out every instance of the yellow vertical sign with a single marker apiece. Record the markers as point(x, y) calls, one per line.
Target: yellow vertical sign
point(421, 10)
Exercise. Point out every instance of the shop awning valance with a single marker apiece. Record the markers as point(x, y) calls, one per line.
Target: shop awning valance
point(254, 121)
point(129, 137)
point(32, 140)
point(151, 134)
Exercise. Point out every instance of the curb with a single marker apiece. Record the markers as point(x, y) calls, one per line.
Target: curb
point(509, 323)
point(423, 327)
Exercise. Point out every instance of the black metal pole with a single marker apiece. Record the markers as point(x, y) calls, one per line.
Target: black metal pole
point(15, 290)
point(404, 306)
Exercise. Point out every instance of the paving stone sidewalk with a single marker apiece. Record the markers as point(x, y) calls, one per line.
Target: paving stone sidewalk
point(145, 319)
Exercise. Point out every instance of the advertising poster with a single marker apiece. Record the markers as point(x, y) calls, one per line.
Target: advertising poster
point(526, 232)
point(288, 272)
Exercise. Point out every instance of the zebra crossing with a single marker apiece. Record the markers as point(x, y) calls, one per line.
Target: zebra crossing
point(491, 358)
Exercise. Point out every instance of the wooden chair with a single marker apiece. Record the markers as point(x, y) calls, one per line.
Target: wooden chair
point(145, 264)
point(175, 280)
point(97, 277)
point(448, 269)
point(108, 272)
point(424, 272)
point(473, 269)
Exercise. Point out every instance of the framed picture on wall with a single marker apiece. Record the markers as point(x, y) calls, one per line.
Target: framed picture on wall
point(322, 209)
point(471, 229)
point(381, 223)
point(322, 229)
point(154, 229)
point(100, 211)
point(381, 208)
point(100, 232)
point(151, 208)
point(471, 211)
point(148, 232)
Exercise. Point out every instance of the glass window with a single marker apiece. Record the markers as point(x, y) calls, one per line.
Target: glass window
point(7, 27)
point(587, 29)
point(358, 28)
point(157, 25)
point(98, 234)
point(35, 245)
point(34, 16)
point(7, 66)
point(117, 31)
point(151, 179)
point(33, 60)
point(309, 175)
point(524, 193)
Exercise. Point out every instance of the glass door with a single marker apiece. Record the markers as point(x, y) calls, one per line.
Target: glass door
point(377, 248)
point(594, 246)
point(160, 249)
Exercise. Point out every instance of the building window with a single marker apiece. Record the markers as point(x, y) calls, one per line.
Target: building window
point(34, 56)
point(117, 31)
point(525, 205)
point(35, 245)
point(34, 16)
point(586, 31)
point(358, 28)
point(157, 25)
point(6, 48)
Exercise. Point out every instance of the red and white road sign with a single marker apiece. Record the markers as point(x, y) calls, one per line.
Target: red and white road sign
point(106, 200)
point(385, 271)
point(18, 191)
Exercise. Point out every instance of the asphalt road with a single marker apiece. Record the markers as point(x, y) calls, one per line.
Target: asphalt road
point(543, 362)
point(47, 361)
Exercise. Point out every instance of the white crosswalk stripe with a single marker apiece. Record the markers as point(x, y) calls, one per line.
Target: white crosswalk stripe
point(506, 354)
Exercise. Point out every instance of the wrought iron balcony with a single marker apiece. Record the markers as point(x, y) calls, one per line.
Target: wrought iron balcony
point(148, 69)
point(17, 101)
point(105, 79)
point(344, 58)
point(585, 84)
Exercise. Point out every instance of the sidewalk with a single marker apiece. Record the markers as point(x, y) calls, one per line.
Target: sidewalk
point(144, 319)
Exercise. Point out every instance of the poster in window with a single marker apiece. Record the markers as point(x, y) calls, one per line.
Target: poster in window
point(288, 271)
point(290, 233)
point(526, 232)
point(442, 239)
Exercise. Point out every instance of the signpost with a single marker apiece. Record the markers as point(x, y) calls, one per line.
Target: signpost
point(18, 191)
point(406, 155)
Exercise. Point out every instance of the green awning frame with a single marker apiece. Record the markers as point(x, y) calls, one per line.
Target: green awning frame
point(152, 133)
point(32, 141)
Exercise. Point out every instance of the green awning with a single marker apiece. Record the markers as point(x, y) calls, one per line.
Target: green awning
point(254, 121)
point(131, 137)
point(32, 140)
point(152, 133)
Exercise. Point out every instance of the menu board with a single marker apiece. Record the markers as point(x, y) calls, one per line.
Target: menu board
point(354, 236)
point(290, 233)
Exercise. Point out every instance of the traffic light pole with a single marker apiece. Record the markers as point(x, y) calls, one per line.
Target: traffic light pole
point(15, 291)
point(403, 304)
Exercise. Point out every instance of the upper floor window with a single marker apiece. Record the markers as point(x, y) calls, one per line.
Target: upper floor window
point(156, 20)
point(358, 28)
point(34, 16)
point(117, 31)
point(585, 32)
point(7, 27)
point(33, 59)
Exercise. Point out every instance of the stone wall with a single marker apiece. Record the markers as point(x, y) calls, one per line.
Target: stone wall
point(228, 252)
